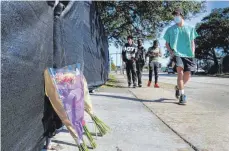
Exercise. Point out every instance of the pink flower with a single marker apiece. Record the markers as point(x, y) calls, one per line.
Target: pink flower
point(83, 122)
point(65, 78)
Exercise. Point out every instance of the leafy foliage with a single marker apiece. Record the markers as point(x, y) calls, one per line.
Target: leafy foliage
point(214, 36)
point(141, 19)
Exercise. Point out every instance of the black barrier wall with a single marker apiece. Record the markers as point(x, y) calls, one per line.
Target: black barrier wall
point(79, 37)
point(35, 36)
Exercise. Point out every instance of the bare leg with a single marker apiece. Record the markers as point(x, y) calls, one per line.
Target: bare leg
point(187, 76)
point(180, 77)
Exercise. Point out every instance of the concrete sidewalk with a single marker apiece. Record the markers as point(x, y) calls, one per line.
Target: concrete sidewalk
point(134, 126)
point(200, 124)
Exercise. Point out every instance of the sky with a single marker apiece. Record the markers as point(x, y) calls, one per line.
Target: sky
point(210, 5)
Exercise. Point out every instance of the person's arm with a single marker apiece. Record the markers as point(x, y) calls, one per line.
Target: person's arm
point(147, 54)
point(168, 48)
point(144, 54)
point(193, 37)
point(167, 39)
point(160, 54)
point(123, 54)
point(136, 54)
point(135, 51)
point(193, 46)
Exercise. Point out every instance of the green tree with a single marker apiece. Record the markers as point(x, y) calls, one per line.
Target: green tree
point(141, 19)
point(214, 36)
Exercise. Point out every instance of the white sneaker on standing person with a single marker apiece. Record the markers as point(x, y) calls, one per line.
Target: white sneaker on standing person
point(180, 42)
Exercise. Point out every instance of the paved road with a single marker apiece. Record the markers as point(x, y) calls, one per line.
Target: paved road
point(212, 90)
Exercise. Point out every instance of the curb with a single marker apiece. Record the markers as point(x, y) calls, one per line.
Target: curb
point(177, 133)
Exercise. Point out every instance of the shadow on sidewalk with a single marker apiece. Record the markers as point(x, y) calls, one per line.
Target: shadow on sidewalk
point(62, 131)
point(69, 144)
point(64, 143)
point(118, 97)
point(161, 100)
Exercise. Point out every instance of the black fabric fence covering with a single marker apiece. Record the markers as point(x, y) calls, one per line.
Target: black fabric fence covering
point(35, 36)
point(80, 37)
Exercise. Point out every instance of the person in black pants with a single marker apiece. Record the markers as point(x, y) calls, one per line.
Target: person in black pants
point(128, 55)
point(153, 53)
point(140, 61)
point(51, 122)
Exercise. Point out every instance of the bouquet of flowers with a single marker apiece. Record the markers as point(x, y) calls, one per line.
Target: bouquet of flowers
point(69, 95)
point(65, 89)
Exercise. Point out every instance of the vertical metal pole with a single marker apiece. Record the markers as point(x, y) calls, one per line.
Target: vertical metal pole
point(116, 61)
point(120, 60)
point(110, 62)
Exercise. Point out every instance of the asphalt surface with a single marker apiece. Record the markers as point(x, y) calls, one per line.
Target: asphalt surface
point(210, 90)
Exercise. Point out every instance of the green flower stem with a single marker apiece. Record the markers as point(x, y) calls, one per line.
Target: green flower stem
point(90, 138)
point(102, 127)
point(82, 147)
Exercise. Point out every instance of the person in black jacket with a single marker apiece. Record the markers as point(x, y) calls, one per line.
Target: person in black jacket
point(140, 61)
point(128, 56)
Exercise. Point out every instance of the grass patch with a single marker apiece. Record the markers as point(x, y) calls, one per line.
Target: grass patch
point(112, 78)
point(112, 82)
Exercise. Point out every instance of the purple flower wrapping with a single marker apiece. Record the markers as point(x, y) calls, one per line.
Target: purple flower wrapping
point(71, 93)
